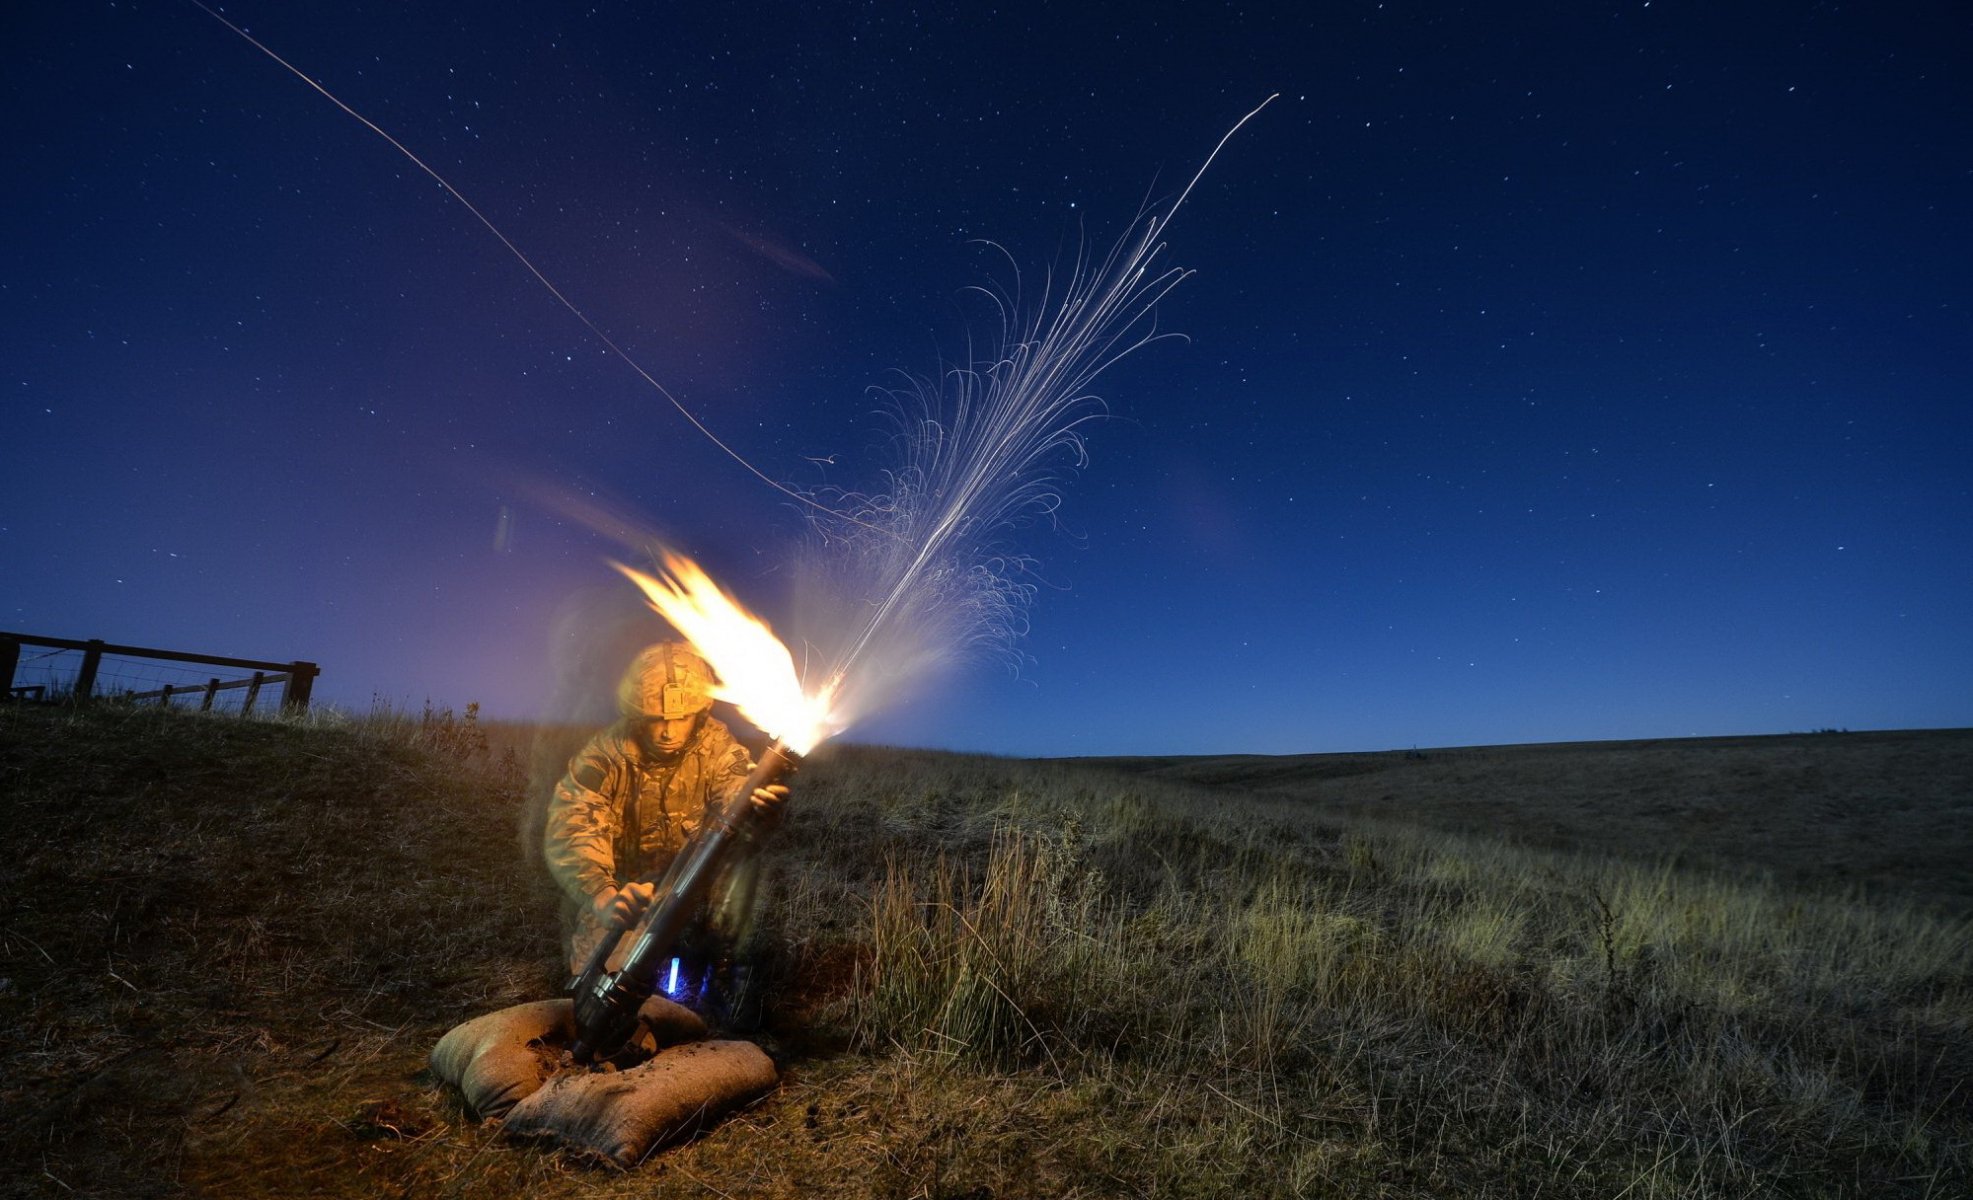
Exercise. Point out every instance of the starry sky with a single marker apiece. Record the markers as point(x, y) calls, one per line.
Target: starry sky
point(1551, 371)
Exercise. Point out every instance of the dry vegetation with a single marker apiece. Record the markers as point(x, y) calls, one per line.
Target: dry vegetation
point(230, 945)
point(1890, 814)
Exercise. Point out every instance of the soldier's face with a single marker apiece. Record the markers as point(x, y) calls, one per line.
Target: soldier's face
point(669, 737)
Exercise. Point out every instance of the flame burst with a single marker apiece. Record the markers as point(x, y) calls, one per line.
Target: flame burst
point(756, 672)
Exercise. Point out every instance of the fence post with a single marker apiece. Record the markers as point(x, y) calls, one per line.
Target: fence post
point(301, 682)
point(212, 689)
point(164, 697)
point(253, 689)
point(10, 658)
point(85, 679)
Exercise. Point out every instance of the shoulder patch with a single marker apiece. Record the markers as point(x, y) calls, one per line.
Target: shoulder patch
point(588, 773)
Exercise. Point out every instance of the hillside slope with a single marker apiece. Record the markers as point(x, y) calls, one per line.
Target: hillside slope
point(214, 923)
point(1886, 813)
point(229, 947)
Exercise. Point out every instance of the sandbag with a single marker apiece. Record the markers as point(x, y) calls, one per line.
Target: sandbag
point(498, 1059)
point(622, 1116)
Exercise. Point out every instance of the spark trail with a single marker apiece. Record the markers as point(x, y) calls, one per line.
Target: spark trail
point(925, 555)
point(533, 270)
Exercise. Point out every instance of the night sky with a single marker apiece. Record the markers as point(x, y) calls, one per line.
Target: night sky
point(1555, 371)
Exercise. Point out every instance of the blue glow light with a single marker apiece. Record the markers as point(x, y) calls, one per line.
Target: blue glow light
point(671, 980)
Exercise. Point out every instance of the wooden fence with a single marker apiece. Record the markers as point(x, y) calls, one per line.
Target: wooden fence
point(297, 678)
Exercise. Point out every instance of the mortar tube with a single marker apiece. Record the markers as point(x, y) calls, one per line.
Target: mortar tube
point(606, 1005)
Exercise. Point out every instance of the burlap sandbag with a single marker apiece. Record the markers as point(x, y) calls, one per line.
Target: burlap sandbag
point(623, 1115)
point(500, 1058)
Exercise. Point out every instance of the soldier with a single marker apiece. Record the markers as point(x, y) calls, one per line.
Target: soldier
point(633, 796)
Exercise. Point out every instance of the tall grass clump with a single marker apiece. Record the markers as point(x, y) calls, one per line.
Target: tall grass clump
point(989, 969)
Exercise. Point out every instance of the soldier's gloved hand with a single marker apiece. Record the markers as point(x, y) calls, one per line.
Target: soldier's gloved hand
point(623, 906)
point(768, 800)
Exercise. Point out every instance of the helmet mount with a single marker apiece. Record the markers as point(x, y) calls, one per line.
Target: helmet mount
point(668, 681)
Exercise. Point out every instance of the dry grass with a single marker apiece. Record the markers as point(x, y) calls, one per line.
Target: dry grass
point(230, 946)
point(1889, 813)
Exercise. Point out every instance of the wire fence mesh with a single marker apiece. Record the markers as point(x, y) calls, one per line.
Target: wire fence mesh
point(50, 673)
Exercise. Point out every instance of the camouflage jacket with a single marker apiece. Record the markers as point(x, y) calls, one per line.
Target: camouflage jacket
point(612, 785)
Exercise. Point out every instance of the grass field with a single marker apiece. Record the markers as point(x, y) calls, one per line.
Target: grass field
point(1888, 814)
point(1711, 968)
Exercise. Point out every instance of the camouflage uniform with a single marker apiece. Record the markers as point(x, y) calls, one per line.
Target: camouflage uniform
point(624, 809)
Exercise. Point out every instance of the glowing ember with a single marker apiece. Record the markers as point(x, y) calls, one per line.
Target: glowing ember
point(756, 671)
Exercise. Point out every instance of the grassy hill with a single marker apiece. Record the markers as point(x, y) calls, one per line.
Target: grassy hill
point(230, 945)
point(1887, 813)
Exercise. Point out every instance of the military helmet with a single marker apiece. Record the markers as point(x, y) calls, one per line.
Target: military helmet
point(668, 681)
